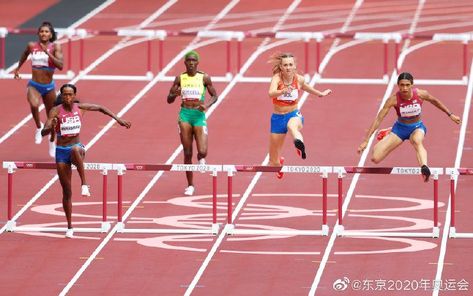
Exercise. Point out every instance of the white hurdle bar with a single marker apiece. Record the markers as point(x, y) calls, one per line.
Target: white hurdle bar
point(454, 173)
point(232, 169)
point(214, 169)
point(340, 230)
point(11, 166)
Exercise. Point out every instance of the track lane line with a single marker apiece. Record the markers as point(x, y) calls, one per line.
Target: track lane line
point(112, 232)
point(461, 142)
point(354, 182)
point(97, 137)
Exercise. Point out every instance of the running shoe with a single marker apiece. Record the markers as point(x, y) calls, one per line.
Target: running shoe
point(383, 133)
point(189, 190)
point(280, 174)
point(300, 148)
point(52, 149)
point(425, 171)
point(70, 233)
point(38, 138)
point(85, 190)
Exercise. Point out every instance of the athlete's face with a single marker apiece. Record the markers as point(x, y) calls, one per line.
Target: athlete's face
point(191, 63)
point(405, 87)
point(68, 95)
point(288, 65)
point(44, 33)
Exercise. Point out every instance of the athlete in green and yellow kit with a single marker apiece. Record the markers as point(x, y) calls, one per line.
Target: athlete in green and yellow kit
point(191, 86)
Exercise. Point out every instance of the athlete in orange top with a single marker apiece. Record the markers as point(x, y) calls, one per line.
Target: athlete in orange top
point(285, 90)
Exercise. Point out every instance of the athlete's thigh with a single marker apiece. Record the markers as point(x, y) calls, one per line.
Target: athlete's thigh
point(33, 96)
point(186, 133)
point(417, 136)
point(388, 144)
point(64, 172)
point(295, 123)
point(200, 134)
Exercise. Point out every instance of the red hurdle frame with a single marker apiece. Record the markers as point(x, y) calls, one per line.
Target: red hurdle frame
point(121, 168)
point(454, 174)
point(11, 166)
point(232, 169)
point(340, 230)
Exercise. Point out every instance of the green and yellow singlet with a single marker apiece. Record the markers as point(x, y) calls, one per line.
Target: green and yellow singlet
point(192, 87)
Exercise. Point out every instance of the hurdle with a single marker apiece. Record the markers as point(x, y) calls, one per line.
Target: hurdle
point(213, 169)
point(454, 173)
point(232, 169)
point(340, 229)
point(11, 166)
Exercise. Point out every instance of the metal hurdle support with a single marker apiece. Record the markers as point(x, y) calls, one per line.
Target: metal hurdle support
point(11, 226)
point(342, 171)
point(385, 37)
point(454, 173)
point(213, 169)
point(232, 169)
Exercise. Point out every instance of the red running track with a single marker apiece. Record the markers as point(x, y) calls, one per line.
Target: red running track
point(244, 265)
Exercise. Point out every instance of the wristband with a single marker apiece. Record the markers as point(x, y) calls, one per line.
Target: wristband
point(449, 114)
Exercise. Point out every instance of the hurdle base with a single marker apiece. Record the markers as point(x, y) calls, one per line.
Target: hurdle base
point(55, 229)
point(454, 234)
point(354, 233)
point(167, 231)
point(229, 229)
point(215, 228)
point(325, 230)
point(120, 226)
point(339, 229)
point(121, 229)
point(10, 226)
point(105, 226)
point(293, 232)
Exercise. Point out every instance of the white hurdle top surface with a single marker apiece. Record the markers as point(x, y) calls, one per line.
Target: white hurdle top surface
point(385, 170)
point(91, 166)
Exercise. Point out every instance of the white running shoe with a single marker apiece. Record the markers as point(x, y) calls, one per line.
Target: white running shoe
point(189, 190)
point(85, 190)
point(52, 149)
point(37, 136)
point(70, 233)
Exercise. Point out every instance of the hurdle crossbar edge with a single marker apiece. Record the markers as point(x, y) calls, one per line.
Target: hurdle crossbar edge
point(340, 229)
point(214, 169)
point(11, 166)
point(232, 169)
point(454, 174)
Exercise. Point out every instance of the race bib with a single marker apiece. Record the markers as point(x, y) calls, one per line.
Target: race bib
point(191, 93)
point(292, 96)
point(70, 126)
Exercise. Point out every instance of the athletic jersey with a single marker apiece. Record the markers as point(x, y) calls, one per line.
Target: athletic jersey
point(40, 60)
point(192, 87)
point(288, 99)
point(69, 122)
point(408, 108)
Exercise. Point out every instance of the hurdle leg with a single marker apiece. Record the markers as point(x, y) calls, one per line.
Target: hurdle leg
point(105, 224)
point(325, 227)
point(436, 229)
point(215, 226)
point(120, 224)
point(230, 227)
point(10, 224)
point(452, 231)
point(340, 227)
